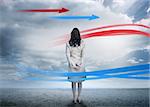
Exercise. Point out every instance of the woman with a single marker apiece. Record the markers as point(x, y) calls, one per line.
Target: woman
point(74, 52)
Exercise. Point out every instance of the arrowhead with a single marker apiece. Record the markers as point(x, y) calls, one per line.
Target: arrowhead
point(93, 17)
point(62, 10)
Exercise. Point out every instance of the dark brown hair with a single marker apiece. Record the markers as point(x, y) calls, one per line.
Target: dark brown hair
point(75, 39)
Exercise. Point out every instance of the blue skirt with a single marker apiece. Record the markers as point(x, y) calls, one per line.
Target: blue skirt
point(76, 78)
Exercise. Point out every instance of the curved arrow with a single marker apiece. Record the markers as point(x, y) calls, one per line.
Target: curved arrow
point(117, 25)
point(62, 10)
point(101, 74)
point(116, 33)
point(91, 73)
point(103, 32)
point(119, 32)
point(89, 78)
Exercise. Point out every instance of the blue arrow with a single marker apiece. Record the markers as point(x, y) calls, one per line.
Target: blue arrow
point(92, 17)
point(140, 69)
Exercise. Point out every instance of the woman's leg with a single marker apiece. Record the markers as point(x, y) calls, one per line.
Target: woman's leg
point(79, 91)
point(74, 91)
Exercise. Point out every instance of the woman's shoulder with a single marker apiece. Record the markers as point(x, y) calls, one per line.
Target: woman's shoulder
point(82, 41)
point(67, 44)
point(82, 44)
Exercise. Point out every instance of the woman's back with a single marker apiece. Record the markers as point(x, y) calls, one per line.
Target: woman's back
point(76, 53)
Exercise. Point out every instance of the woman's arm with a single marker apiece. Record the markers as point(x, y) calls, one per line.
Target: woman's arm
point(68, 54)
point(82, 51)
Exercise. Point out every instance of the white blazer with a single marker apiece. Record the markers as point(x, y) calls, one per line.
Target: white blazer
point(75, 57)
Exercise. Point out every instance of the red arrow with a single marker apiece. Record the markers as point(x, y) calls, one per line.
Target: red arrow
point(62, 10)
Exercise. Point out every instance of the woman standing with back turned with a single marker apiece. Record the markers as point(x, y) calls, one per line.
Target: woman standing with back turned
point(74, 52)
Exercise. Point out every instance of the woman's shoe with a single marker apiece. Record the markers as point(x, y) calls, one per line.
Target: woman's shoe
point(78, 100)
point(74, 101)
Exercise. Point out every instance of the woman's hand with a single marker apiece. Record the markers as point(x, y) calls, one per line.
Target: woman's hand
point(77, 66)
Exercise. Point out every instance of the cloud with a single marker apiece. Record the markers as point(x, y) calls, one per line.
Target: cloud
point(144, 21)
point(135, 9)
point(30, 35)
point(134, 61)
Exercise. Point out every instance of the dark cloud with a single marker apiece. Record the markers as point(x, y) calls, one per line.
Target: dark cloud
point(108, 3)
point(16, 26)
point(9, 42)
point(10, 15)
point(139, 10)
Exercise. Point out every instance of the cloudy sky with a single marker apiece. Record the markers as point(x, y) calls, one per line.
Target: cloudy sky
point(26, 38)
